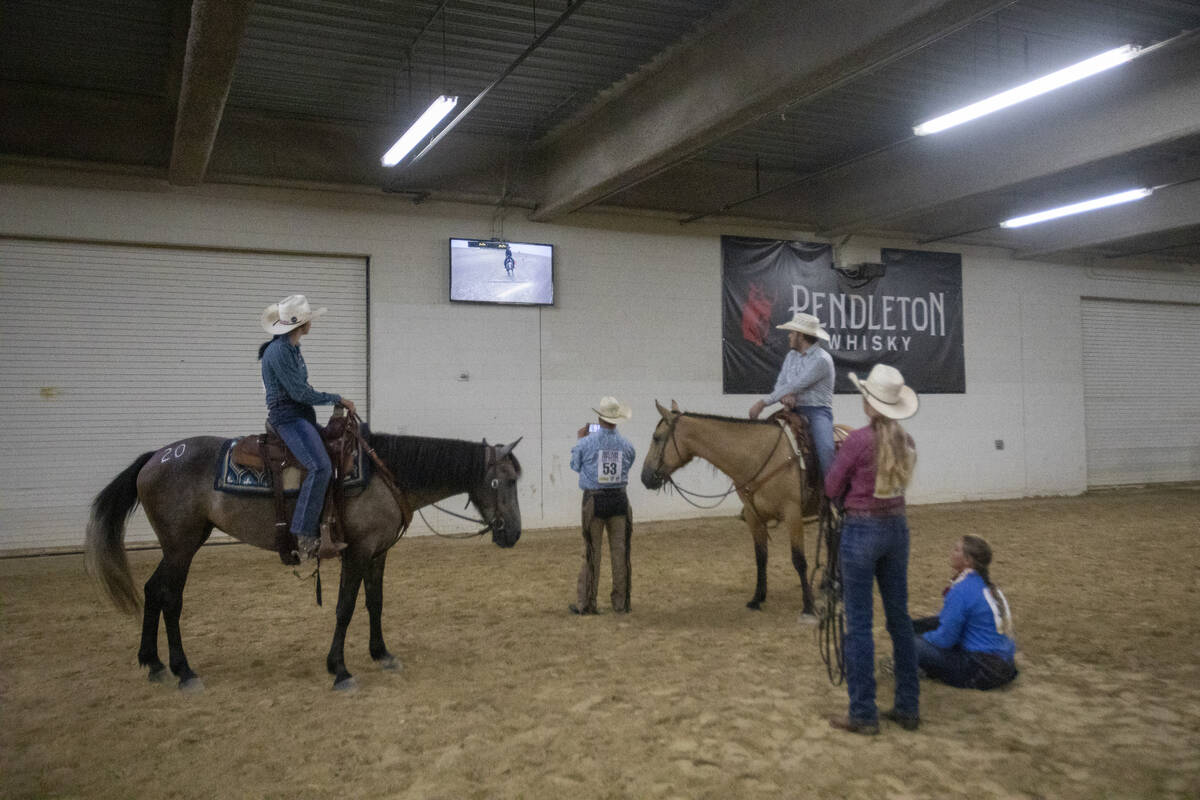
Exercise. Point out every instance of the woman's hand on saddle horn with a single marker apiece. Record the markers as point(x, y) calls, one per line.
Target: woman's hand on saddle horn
point(757, 409)
point(348, 404)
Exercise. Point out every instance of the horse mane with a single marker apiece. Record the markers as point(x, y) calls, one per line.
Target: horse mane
point(719, 418)
point(426, 462)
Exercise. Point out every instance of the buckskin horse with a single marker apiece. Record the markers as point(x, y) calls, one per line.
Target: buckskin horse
point(175, 486)
point(759, 459)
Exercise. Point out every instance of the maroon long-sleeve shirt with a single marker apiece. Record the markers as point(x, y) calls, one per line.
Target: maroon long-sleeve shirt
point(853, 475)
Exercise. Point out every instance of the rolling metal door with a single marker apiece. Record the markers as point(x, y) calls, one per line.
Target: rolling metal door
point(1141, 392)
point(108, 351)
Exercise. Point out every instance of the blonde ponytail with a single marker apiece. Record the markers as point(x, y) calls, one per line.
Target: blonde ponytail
point(895, 457)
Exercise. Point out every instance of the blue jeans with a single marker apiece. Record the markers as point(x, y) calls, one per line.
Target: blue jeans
point(820, 423)
point(876, 548)
point(303, 439)
point(963, 668)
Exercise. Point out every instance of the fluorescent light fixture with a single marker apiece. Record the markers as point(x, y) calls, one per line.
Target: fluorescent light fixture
point(1077, 208)
point(437, 110)
point(1025, 91)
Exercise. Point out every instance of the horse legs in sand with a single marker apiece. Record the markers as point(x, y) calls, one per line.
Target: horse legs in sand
point(794, 520)
point(164, 595)
point(356, 562)
point(758, 530)
point(373, 586)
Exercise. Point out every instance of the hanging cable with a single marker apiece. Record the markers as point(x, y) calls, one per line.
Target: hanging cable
point(571, 9)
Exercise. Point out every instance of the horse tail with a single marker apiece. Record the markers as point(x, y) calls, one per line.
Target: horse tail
point(105, 546)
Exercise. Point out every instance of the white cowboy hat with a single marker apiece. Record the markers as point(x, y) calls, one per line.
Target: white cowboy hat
point(613, 410)
point(884, 389)
point(288, 314)
point(805, 323)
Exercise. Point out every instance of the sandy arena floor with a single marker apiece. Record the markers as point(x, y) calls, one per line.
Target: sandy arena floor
point(503, 694)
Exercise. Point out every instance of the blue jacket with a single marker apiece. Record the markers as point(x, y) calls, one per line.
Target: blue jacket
point(967, 621)
point(285, 376)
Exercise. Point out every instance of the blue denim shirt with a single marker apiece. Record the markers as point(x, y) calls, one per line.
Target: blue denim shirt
point(285, 376)
point(603, 460)
point(809, 376)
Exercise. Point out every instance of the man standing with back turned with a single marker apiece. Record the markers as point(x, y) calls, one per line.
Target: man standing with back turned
point(603, 457)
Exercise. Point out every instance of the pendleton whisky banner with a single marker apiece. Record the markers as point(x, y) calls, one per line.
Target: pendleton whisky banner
point(907, 313)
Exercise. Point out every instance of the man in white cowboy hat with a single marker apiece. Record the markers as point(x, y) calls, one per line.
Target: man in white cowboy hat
point(290, 401)
point(603, 458)
point(805, 383)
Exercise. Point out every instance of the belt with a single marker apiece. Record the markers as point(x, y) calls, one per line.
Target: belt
point(875, 513)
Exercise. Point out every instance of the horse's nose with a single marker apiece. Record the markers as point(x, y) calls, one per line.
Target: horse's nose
point(651, 479)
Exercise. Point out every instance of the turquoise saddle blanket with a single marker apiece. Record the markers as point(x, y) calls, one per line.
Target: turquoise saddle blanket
point(237, 479)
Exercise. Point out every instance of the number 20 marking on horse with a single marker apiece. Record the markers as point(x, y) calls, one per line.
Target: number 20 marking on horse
point(168, 454)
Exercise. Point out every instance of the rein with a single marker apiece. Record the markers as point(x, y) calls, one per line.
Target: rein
point(684, 493)
point(487, 526)
point(389, 480)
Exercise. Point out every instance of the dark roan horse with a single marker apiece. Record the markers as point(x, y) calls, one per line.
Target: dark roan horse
point(175, 487)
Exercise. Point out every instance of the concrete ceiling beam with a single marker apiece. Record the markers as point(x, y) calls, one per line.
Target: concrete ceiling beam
point(1152, 100)
point(767, 56)
point(214, 36)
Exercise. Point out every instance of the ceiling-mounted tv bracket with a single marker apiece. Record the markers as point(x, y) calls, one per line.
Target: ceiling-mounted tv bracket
point(856, 276)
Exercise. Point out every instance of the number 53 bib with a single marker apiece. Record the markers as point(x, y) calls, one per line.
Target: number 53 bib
point(608, 466)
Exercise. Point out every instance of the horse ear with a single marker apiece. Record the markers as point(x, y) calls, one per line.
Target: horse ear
point(674, 406)
point(665, 414)
point(505, 449)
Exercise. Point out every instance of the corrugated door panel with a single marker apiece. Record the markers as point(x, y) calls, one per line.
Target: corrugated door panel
point(1141, 392)
point(108, 351)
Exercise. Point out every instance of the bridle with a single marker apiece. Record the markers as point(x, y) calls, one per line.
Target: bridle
point(496, 524)
point(665, 479)
point(745, 491)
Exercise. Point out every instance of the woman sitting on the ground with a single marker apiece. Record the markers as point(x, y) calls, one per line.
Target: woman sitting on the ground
point(970, 644)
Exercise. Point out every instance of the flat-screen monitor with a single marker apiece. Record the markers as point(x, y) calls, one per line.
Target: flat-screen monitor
point(494, 271)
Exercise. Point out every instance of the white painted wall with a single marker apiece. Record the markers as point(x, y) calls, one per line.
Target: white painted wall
point(637, 315)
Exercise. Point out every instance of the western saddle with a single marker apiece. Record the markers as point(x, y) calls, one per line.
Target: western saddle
point(267, 451)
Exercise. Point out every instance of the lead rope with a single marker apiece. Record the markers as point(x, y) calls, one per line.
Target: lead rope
point(831, 616)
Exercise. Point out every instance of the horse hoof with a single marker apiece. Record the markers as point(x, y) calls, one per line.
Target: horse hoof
point(807, 618)
point(345, 685)
point(754, 605)
point(158, 675)
point(191, 686)
point(390, 663)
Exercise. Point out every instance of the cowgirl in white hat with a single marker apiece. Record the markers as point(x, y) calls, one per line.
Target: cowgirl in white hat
point(869, 475)
point(805, 383)
point(290, 401)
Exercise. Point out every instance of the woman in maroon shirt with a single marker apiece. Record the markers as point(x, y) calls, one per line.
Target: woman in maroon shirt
point(869, 476)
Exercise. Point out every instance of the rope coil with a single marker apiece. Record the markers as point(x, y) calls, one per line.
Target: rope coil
point(831, 614)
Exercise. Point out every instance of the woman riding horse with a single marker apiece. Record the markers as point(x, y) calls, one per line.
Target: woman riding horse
point(290, 413)
point(175, 486)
